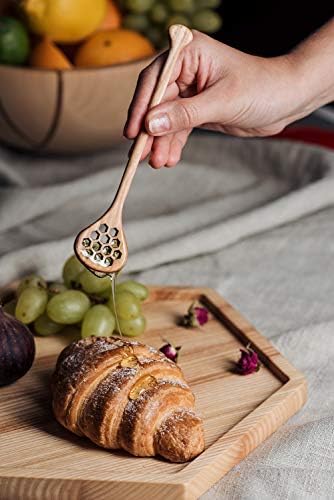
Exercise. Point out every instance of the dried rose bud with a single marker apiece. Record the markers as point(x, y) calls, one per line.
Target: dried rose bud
point(248, 362)
point(196, 316)
point(170, 351)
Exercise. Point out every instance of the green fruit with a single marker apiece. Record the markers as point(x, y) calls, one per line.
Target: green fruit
point(44, 326)
point(92, 284)
point(206, 20)
point(31, 281)
point(9, 307)
point(98, 321)
point(55, 288)
point(14, 41)
point(137, 289)
point(155, 35)
point(159, 13)
point(127, 305)
point(178, 19)
point(105, 295)
point(68, 308)
point(138, 6)
point(31, 304)
point(207, 4)
point(181, 5)
point(71, 271)
point(132, 327)
point(136, 22)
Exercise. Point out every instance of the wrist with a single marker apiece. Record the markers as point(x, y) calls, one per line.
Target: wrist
point(313, 69)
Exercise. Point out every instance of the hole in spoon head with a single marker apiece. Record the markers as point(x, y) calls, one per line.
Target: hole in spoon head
point(104, 238)
point(117, 254)
point(107, 250)
point(108, 261)
point(115, 243)
point(86, 242)
point(113, 232)
point(98, 257)
point(94, 235)
point(103, 228)
point(96, 246)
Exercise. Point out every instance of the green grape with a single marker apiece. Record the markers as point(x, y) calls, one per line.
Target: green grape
point(138, 6)
point(136, 22)
point(9, 307)
point(178, 19)
point(154, 35)
point(92, 284)
point(31, 281)
point(207, 4)
point(98, 321)
point(140, 291)
point(71, 271)
point(31, 304)
point(106, 294)
point(54, 288)
point(132, 327)
point(68, 308)
point(159, 13)
point(44, 326)
point(127, 305)
point(206, 20)
point(181, 5)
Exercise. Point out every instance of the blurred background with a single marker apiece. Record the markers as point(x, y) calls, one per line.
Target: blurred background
point(67, 75)
point(271, 28)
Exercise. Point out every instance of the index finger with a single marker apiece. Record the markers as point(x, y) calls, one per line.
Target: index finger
point(146, 84)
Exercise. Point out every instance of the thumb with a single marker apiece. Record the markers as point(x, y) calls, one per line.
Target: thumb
point(177, 115)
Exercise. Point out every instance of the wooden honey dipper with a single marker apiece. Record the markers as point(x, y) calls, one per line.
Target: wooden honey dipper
point(102, 246)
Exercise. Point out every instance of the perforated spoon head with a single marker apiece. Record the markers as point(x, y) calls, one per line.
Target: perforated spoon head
point(102, 247)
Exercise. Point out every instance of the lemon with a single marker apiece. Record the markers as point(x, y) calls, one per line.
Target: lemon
point(14, 41)
point(65, 21)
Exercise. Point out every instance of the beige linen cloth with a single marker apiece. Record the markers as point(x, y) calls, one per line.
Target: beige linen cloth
point(253, 219)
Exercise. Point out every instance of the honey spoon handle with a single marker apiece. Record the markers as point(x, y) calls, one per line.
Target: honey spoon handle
point(180, 36)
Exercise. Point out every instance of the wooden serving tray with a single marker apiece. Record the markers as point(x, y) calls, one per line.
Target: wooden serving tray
point(40, 460)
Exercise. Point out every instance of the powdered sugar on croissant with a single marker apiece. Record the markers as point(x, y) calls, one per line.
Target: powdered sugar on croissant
point(124, 394)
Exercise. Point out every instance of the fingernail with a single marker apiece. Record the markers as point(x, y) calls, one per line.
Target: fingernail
point(158, 124)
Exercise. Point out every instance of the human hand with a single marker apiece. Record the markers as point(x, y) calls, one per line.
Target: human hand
point(216, 87)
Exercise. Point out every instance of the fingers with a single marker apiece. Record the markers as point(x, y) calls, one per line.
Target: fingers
point(148, 148)
point(181, 114)
point(176, 147)
point(166, 151)
point(160, 152)
point(144, 89)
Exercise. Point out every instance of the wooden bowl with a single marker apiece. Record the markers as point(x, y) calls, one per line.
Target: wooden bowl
point(70, 111)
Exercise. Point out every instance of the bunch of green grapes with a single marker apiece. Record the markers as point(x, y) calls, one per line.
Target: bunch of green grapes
point(82, 300)
point(153, 17)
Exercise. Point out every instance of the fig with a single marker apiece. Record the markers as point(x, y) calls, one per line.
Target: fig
point(17, 348)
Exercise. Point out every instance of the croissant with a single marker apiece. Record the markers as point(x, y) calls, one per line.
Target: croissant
point(124, 394)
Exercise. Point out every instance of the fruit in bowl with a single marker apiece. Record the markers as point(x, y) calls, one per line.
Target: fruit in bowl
point(78, 62)
point(64, 22)
point(100, 33)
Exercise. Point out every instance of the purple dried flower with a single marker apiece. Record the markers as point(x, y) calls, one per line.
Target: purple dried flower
point(170, 351)
point(196, 316)
point(248, 362)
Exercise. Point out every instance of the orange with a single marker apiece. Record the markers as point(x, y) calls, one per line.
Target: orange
point(112, 19)
point(47, 55)
point(113, 47)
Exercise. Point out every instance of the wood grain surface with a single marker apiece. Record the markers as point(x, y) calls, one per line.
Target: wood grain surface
point(69, 111)
point(41, 460)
